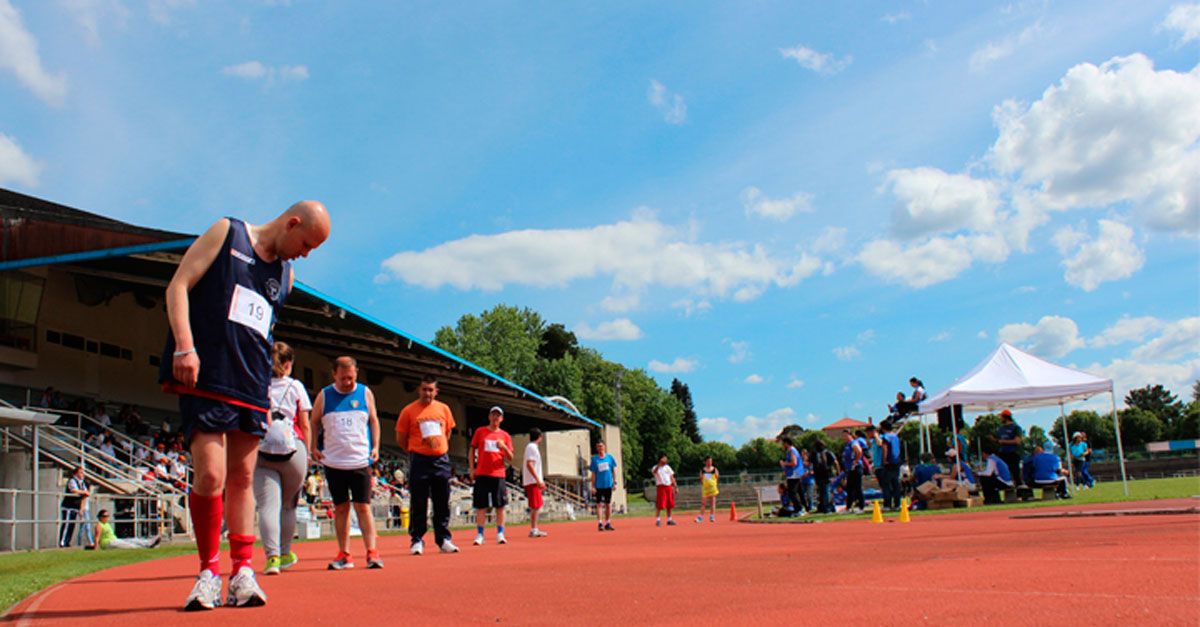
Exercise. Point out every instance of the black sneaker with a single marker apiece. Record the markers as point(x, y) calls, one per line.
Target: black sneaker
point(608, 527)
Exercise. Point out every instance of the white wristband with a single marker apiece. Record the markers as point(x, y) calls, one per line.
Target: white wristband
point(186, 352)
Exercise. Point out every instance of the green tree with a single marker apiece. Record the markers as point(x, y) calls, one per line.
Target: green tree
point(503, 339)
point(1196, 391)
point(984, 429)
point(1188, 427)
point(691, 428)
point(723, 454)
point(1138, 427)
point(1099, 429)
point(1159, 401)
point(807, 441)
point(1034, 437)
point(557, 342)
point(760, 454)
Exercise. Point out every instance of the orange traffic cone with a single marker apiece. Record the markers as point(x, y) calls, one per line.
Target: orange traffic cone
point(904, 505)
point(876, 512)
point(732, 511)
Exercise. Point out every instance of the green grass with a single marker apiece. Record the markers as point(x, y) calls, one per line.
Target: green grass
point(1110, 492)
point(24, 573)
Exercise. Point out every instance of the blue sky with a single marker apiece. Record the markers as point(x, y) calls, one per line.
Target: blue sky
point(791, 208)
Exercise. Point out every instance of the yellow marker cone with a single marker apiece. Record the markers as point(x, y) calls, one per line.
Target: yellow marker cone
point(904, 504)
point(876, 512)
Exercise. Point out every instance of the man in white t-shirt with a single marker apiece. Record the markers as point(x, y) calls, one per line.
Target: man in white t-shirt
point(664, 479)
point(533, 481)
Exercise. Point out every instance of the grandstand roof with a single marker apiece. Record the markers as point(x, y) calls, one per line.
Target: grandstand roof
point(122, 257)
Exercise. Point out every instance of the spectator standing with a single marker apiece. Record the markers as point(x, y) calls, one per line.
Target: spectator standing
point(72, 506)
point(874, 452)
point(793, 470)
point(492, 448)
point(994, 477)
point(602, 474)
point(824, 467)
point(890, 467)
point(282, 462)
point(423, 429)
point(806, 482)
point(665, 487)
point(710, 477)
point(852, 463)
point(1081, 454)
point(312, 487)
point(532, 480)
point(1008, 439)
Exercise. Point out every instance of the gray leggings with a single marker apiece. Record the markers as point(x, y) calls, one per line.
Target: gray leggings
point(276, 490)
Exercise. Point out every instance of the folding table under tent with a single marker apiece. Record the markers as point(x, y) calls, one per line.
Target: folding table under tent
point(1011, 378)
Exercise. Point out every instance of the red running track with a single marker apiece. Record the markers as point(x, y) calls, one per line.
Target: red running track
point(975, 568)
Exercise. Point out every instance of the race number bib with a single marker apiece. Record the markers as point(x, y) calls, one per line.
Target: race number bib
point(708, 476)
point(491, 446)
point(249, 308)
point(431, 429)
point(602, 467)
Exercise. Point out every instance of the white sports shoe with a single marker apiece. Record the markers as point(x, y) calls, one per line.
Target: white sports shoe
point(537, 533)
point(448, 547)
point(206, 594)
point(478, 540)
point(417, 547)
point(244, 590)
point(500, 539)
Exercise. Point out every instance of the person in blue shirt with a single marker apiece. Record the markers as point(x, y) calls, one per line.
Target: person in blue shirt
point(925, 471)
point(994, 476)
point(873, 451)
point(1008, 437)
point(793, 470)
point(807, 483)
point(852, 463)
point(1048, 472)
point(603, 479)
point(960, 469)
point(889, 468)
point(1081, 454)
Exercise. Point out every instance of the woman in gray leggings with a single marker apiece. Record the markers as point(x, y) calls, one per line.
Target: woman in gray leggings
point(282, 462)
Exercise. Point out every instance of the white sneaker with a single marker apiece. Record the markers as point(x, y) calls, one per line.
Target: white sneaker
point(417, 547)
point(244, 590)
point(478, 539)
point(500, 539)
point(537, 533)
point(448, 547)
point(699, 519)
point(206, 594)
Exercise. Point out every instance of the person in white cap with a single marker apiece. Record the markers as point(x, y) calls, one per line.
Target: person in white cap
point(492, 448)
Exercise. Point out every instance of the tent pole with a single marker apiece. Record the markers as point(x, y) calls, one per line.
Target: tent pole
point(958, 455)
point(1120, 449)
point(1067, 447)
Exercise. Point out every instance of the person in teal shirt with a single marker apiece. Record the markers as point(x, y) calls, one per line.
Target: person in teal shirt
point(1081, 454)
point(106, 538)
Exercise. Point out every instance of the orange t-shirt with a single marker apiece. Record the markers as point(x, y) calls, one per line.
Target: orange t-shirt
point(426, 428)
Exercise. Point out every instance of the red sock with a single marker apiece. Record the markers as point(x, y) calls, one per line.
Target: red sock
point(241, 549)
point(207, 512)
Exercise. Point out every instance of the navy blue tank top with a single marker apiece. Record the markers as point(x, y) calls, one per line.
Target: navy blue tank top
point(232, 310)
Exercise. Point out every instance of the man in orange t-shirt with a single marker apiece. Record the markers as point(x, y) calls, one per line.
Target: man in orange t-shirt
point(423, 429)
point(492, 448)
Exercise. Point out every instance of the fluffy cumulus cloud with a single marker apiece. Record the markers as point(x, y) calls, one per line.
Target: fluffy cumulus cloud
point(795, 383)
point(1184, 20)
point(754, 379)
point(758, 204)
point(670, 105)
point(1127, 330)
point(739, 351)
point(1177, 340)
point(749, 427)
point(1170, 355)
point(19, 55)
point(1052, 336)
point(636, 254)
point(258, 71)
point(1110, 256)
point(929, 200)
point(932, 261)
point(819, 62)
point(15, 165)
point(621, 329)
point(680, 365)
point(1119, 132)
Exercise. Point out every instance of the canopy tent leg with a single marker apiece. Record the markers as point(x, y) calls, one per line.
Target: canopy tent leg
point(1067, 447)
point(958, 455)
point(1120, 448)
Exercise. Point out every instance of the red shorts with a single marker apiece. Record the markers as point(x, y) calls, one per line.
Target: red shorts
point(534, 494)
point(666, 497)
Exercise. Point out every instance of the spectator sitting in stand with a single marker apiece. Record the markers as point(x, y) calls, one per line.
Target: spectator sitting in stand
point(1049, 473)
point(960, 471)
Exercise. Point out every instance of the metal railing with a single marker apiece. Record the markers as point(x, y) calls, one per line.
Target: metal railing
point(137, 515)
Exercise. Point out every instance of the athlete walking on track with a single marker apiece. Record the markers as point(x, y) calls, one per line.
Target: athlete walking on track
point(423, 429)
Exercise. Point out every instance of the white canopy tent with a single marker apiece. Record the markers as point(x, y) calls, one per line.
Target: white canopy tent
point(1011, 378)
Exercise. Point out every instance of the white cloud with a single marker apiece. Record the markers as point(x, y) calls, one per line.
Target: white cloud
point(1130, 374)
point(16, 166)
point(944, 336)
point(1127, 330)
point(89, 14)
point(613, 330)
point(781, 209)
point(636, 254)
point(753, 379)
point(691, 307)
point(795, 383)
point(1052, 337)
point(740, 351)
point(256, 70)
point(831, 240)
point(1178, 340)
point(811, 418)
point(933, 261)
point(749, 427)
point(983, 335)
point(1117, 132)
point(19, 55)
point(671, 105)
point(819, 62)
point(930, 201)
point(847, 353)
point(892, 18)
point(1111, 256)
point(680, 365)
point(996, 50)
point(620, 303)
point(1185, 20)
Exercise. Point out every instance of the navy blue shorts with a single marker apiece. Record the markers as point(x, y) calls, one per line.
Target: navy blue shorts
point(212, 416)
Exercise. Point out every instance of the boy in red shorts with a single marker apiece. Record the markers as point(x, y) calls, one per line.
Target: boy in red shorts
point(664, 479)
point(531, 479)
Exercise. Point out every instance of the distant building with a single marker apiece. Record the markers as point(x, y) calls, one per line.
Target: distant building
point(835, 430)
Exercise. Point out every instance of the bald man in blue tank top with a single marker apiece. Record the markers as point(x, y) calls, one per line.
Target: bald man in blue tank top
point(221, 306)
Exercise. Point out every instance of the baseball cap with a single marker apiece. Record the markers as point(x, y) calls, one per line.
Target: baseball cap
point(497, 409)
point(1006, 414)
